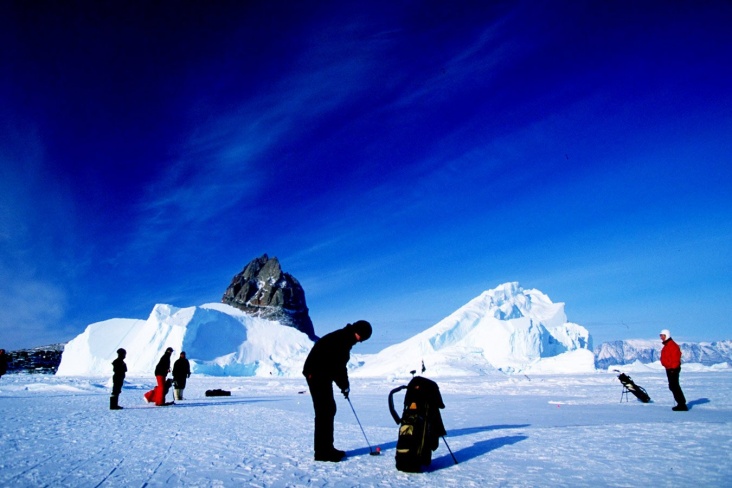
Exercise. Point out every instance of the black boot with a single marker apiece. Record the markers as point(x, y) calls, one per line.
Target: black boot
point(113, 403)
point(331, 455)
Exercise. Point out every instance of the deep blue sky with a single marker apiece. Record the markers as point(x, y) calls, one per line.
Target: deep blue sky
point(399, 158)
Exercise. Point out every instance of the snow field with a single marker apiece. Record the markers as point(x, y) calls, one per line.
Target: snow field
point(542, 430)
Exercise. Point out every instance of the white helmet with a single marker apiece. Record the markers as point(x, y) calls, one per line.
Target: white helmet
point(666, 332)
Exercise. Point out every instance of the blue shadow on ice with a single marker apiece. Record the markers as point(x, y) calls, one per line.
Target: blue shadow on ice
point(477, 449)
point(229, 401)
point(694, 403)
point(485, 428)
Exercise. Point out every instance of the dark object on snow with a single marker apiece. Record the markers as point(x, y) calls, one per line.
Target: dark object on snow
point(630, 386)
point(420, 426)
point(119, 369)
point(39, 360)
point(217, 393)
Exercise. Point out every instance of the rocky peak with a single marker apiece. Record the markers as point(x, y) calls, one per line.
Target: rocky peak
point(262, 289)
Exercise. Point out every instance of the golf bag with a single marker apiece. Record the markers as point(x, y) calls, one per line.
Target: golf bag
point(420, 425)
point(217, 393)
point(636, 390)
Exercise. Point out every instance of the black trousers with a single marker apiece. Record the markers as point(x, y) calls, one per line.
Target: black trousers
point(325, 409)
point(117, 385)
point(673, 385)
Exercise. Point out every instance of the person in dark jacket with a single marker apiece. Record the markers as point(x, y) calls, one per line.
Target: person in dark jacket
point(181, 372)
point(161, 371)
point(118, 378)
point(327, 364)
point(3, 362)
point(671, 360)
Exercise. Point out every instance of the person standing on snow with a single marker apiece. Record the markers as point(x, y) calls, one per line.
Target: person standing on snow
point(181, 372)
point(161, 371)
point(327, 364)
point(671, 360)
point(118, 378)
point(3, 363)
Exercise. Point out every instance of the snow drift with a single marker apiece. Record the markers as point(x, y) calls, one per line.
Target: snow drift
point(507, 329)
point(219, 340)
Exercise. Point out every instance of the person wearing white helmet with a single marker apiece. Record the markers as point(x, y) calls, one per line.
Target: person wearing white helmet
point(671, 360)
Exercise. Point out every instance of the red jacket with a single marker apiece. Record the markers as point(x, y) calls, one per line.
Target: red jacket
point(670, 354)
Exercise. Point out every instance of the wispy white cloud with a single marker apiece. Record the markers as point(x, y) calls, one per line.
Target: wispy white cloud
point(225, 163)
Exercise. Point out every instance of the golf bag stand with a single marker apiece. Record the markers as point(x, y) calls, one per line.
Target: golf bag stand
point(624, 394)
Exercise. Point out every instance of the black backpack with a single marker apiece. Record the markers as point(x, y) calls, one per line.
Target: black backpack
point(420, 426)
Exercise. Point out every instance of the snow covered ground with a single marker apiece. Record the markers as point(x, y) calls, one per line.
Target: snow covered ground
point(536, 430)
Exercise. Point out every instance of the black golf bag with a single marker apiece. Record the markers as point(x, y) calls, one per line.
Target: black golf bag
point(636, 390)
point(420, 425)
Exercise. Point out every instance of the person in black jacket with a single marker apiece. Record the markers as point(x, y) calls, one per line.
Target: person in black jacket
point(3, 362)
point(118, 378)
point(327, 364)
point(181, 372)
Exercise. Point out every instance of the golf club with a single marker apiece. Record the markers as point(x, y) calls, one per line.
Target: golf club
point(371, 451)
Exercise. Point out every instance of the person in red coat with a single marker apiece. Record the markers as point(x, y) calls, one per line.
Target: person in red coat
point(671, 360)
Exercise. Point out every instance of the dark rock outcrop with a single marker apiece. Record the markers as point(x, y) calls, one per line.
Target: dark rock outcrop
point(43, 359)
point(263, 290)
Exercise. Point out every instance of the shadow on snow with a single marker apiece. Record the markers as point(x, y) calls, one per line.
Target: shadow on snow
point(694, 403)
point(478, 449)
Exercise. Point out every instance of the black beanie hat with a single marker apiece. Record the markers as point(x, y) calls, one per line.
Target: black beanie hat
point(363, 329)
point(121, 351)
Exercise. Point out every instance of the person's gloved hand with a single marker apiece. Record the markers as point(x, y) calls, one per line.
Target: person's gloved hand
point(345, 392)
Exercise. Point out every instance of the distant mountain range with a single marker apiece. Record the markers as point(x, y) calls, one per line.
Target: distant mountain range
point(43, 359)
point(617, 353)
